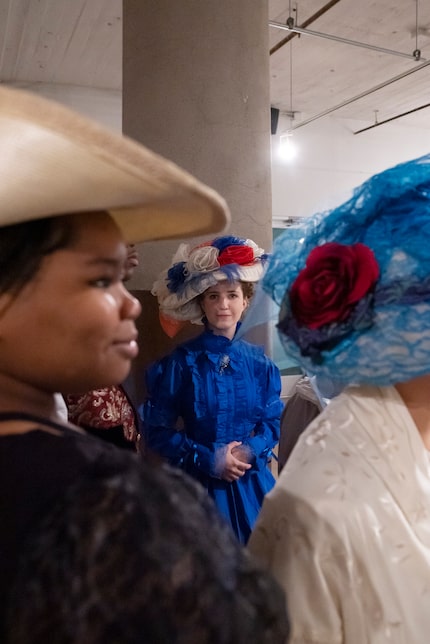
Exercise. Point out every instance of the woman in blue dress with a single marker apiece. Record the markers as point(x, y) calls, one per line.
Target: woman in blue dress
point(213, 406)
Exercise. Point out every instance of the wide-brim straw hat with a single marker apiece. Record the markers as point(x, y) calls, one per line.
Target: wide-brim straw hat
point(54, 161)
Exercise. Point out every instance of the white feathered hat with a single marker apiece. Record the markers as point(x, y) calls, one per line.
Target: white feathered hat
point(195, 269)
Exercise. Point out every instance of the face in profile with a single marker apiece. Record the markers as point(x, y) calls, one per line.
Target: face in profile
point(71, 328)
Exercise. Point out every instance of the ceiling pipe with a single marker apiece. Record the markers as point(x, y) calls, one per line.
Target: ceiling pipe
point(393, 118)
point(362, 95)
point(304, 24)
point(416, 55)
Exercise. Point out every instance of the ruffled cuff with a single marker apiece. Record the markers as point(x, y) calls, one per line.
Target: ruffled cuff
point(260, 450)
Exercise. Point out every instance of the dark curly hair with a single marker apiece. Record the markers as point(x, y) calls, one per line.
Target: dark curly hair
point(141, 557)
point(248, 289)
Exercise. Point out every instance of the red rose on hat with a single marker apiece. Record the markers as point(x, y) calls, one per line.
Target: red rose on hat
point(335, 278)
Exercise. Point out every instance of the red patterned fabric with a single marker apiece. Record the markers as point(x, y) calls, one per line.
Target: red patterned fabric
point(103, 409)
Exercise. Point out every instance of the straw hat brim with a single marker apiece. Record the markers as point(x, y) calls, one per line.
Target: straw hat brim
point(54, 161)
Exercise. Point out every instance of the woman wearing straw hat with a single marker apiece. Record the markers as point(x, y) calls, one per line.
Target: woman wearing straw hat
point(347, 528)
point(71, 195)
point(225, 390)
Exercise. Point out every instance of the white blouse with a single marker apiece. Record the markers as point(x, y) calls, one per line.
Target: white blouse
point(346, 530)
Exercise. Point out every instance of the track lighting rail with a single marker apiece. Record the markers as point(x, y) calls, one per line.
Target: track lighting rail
point(416, 55)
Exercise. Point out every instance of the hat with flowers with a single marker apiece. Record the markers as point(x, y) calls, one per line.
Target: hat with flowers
point(353, 284)
point(196, 268)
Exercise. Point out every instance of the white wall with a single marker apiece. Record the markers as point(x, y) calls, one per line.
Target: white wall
point(331, 161)
point(102, 105)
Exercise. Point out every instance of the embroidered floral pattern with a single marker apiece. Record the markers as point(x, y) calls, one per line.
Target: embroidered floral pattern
point(103, 409)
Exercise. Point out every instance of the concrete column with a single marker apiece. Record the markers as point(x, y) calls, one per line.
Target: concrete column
point(196, 89)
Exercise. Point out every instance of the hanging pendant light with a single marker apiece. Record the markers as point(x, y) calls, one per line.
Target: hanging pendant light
point(287, 146)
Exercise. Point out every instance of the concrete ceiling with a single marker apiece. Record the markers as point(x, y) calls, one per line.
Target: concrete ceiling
point(78, 42)
point(312, 75)
point(71, 42)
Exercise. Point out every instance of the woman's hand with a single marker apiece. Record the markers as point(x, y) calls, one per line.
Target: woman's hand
point(232, 461)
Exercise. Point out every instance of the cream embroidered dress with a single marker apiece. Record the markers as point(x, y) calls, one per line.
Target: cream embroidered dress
point(346, 530)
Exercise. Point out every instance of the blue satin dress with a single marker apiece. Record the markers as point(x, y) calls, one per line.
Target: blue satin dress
point(220, 390)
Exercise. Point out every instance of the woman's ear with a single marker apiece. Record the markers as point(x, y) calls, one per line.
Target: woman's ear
point(6, 299)
point(245, 305)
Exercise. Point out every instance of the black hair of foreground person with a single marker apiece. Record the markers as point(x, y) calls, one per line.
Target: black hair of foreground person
point(128, 559)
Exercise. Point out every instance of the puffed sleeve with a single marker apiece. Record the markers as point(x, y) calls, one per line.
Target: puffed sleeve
point(160, 414)
point(266, 431)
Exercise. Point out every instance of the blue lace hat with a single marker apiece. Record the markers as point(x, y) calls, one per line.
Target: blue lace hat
point(353, 284)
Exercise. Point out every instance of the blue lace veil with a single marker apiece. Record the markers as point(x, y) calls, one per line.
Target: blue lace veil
point(389, 213)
